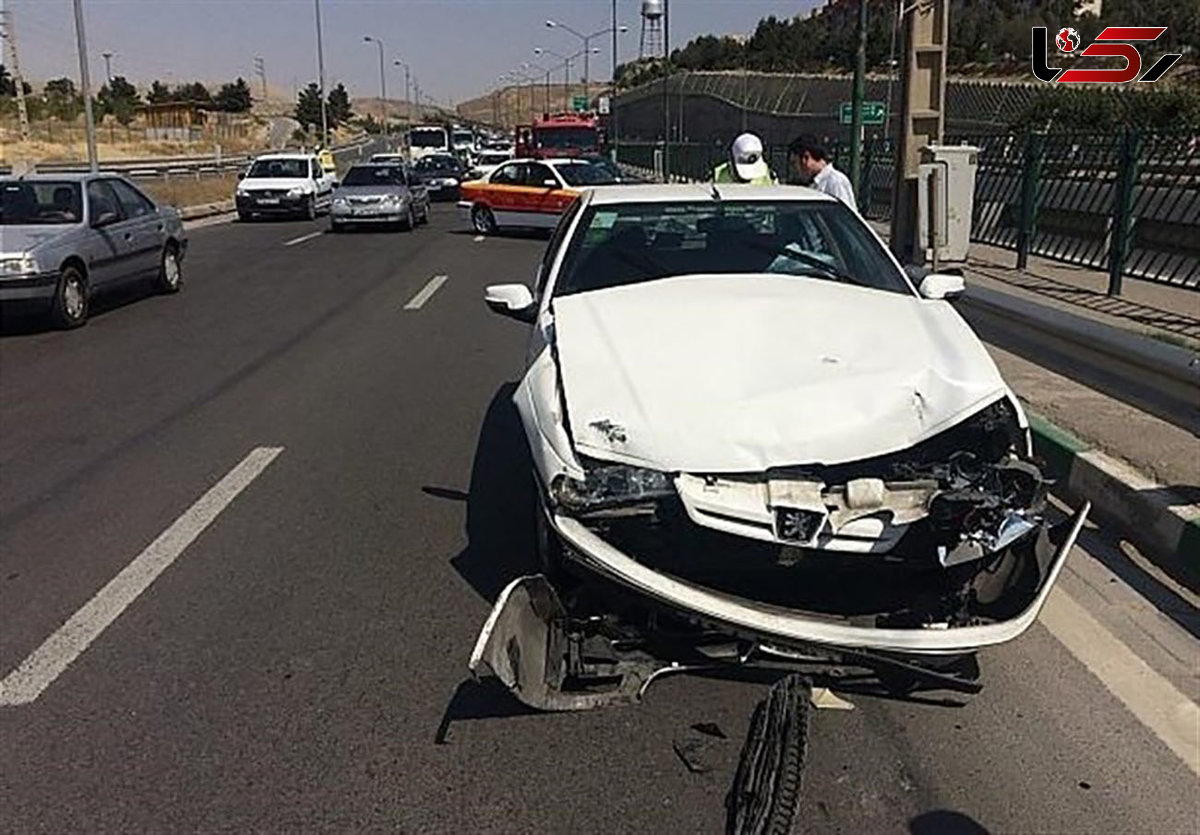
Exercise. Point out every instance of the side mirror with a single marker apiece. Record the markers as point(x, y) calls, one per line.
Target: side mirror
point(106, 217)
point(511, 300)
point(942, 286)
point(241, 175)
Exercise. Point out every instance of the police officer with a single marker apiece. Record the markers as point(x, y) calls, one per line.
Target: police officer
point(745, 164)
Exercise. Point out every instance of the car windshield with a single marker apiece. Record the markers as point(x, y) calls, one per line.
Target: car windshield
point(630, 243)
point(427, 138)
point(279, 168)
point(374, 175)
point(44, 203)
point(494, 158)
point(461, 138)
point(586, 174)
point(565, 137)
point(436, 164)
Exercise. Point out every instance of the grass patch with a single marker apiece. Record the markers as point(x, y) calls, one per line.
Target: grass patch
point(185, 191)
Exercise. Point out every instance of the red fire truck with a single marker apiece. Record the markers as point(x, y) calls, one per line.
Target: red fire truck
point(560, 135)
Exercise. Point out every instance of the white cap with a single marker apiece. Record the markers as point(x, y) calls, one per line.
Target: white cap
point(747, 154)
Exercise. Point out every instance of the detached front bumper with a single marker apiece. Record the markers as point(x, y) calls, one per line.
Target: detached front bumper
point(746, 618)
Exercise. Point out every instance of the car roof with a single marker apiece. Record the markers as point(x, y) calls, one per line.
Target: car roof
point(58, 177)
point(698, 192)
point(286, 155)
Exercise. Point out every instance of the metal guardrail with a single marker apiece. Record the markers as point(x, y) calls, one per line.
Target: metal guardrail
point(192, 166)
point(1126, 203)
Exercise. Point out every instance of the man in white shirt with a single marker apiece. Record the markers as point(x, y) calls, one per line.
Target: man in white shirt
point(810, 161)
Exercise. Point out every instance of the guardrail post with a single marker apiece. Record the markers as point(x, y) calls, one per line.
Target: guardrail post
point(1122, 219)
point(1033, 156)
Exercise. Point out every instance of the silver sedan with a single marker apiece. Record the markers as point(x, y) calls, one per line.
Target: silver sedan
point(377, 193)
point(65, 237)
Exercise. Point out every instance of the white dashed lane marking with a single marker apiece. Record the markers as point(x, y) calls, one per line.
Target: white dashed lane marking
point(423, 295)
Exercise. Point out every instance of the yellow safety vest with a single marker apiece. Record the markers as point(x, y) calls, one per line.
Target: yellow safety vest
point(724, 173)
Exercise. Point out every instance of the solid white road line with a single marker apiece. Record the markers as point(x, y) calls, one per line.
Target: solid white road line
point(422, 296)
point(47, 662)
point(1157, 704)
point(304, 238)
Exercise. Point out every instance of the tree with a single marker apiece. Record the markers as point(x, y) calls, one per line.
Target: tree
point(118, 98)
point(62, 99)
point(8, 85)
point(233, 98)
point(195, 92)
point(159, 93)
point(338, 108)
point(308, 106)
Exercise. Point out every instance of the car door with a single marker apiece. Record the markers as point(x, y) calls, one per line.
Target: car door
point(106, 247)
point(322, 182)
point(504, 191)
point(144, 230)
point(549, 195)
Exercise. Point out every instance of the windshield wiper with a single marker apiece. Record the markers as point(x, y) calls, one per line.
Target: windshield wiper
point(804, 257)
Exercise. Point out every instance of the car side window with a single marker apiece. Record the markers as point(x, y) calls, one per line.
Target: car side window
point(101, 199)
point(133, 203)
point(556, 242)
point(509, 175)
point(537, 175)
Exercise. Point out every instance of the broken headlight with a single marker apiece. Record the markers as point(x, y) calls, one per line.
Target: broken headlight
point(609, 485)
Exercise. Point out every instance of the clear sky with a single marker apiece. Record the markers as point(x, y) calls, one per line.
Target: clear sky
point(457, 48)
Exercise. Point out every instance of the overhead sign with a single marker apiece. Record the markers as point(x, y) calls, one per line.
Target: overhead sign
point(873, 112)
point(579, 104)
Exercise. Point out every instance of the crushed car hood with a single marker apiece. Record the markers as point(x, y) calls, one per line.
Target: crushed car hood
point(740, 373)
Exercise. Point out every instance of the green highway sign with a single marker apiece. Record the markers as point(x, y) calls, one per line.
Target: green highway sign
point(579, 103)
point(873, 112)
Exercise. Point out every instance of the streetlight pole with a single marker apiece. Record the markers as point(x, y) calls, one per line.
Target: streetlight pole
point(320, 77)
point(383, 125)
point(107, 56)
point(86, 82)
point(612, 89)
point(587, 43)
point(407, 97)
point(856, 117)
point(546, 96)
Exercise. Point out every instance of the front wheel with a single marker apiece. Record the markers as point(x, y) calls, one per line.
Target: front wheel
point(170, 271)
point(69, 308)
point(410, 219)
point(310, 208)
point(483, 220)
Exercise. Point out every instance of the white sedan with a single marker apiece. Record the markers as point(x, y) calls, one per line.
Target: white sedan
point(743, 414)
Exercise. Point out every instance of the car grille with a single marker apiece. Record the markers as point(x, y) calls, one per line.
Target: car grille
point(366, 201)
point(268, 194)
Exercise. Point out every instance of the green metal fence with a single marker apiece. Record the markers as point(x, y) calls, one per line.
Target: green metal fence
point(1125, 202)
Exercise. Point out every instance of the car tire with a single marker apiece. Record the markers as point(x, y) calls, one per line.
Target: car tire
point(425, 215)
point(69, 307)
point(336, 228)
point(765, 794)
point(310, 208)
point(410, 220)
point(170, 271)
point(243, 217)
point(483, 221)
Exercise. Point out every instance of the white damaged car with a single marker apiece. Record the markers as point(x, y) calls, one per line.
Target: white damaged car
point(756, 441)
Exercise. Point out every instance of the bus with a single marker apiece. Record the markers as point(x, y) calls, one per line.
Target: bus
point(424, 140)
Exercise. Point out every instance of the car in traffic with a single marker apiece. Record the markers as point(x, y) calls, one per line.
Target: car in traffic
point(442, 174)
point(761, 443)
point(486, 162)
point(379, 193)
point(289, 184)
point(66, 237)
point(527, 193)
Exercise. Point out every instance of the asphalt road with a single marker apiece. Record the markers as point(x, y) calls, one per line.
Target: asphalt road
point(301, 664)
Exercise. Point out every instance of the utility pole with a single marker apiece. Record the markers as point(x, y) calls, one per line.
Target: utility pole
point(612, 91)
point(107, 56)
point(260, 69)
point(383, 124)
point(856, 102)
point(666, 90)
point(925, 31)
point(86, 85)
point(320, 78)
point(10, 37)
